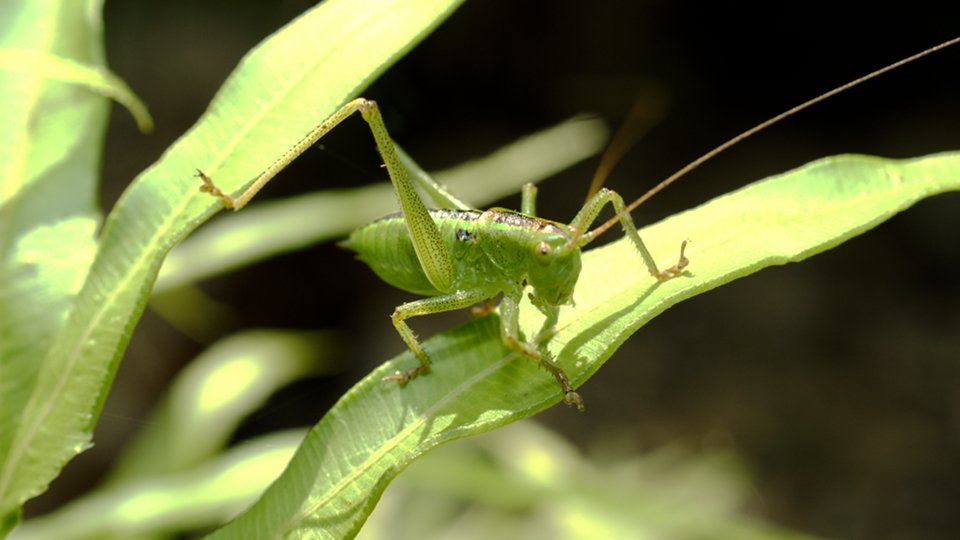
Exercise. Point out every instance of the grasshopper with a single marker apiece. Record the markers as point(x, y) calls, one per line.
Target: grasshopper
point(457, 256)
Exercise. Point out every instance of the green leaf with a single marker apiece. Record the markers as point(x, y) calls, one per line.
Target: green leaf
point(215, 392)
point(281, 90)
point(95, 78)
point(50, 143)
point(476, 384)
point(198, 497)
point(175, 476)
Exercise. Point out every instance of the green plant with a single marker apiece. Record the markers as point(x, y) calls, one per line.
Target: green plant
point(60, 355)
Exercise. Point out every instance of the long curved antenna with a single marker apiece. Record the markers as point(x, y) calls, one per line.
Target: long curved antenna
point(758, 128)
point(647, 111)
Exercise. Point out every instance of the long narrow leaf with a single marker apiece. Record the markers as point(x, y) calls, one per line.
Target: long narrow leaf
point(377, 429)
point(194, 498)
point(50, 142)
point(281, 90)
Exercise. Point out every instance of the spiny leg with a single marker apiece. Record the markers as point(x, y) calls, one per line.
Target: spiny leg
point(510, 333)
point(437, 195)
point(426, 306)
point(424, 233)
point(589, 213)
point(427, 243)
point(300, 147)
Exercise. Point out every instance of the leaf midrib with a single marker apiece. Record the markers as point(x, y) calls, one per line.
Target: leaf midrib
point(394, 442)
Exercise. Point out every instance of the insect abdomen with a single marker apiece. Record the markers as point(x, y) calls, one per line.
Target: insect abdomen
point(385, 247)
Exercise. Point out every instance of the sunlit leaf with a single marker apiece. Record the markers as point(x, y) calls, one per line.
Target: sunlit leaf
point(198, 497)
point(477, 384)
point(281, 90)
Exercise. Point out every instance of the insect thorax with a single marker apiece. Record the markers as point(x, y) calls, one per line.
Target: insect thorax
point(537, 250)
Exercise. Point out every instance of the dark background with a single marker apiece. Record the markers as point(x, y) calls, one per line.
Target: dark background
point(836, 379)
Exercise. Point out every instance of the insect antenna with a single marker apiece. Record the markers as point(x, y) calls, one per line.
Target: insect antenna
point(647, 111)
point(590, 236)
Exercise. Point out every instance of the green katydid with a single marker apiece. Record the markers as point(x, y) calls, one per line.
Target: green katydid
point(456, 256)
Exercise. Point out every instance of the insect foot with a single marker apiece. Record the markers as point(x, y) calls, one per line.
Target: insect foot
point(570, 396)
point(403, 377)
point(542, 357)
point(208, 187)
point(482, 310)
point(676, 269)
